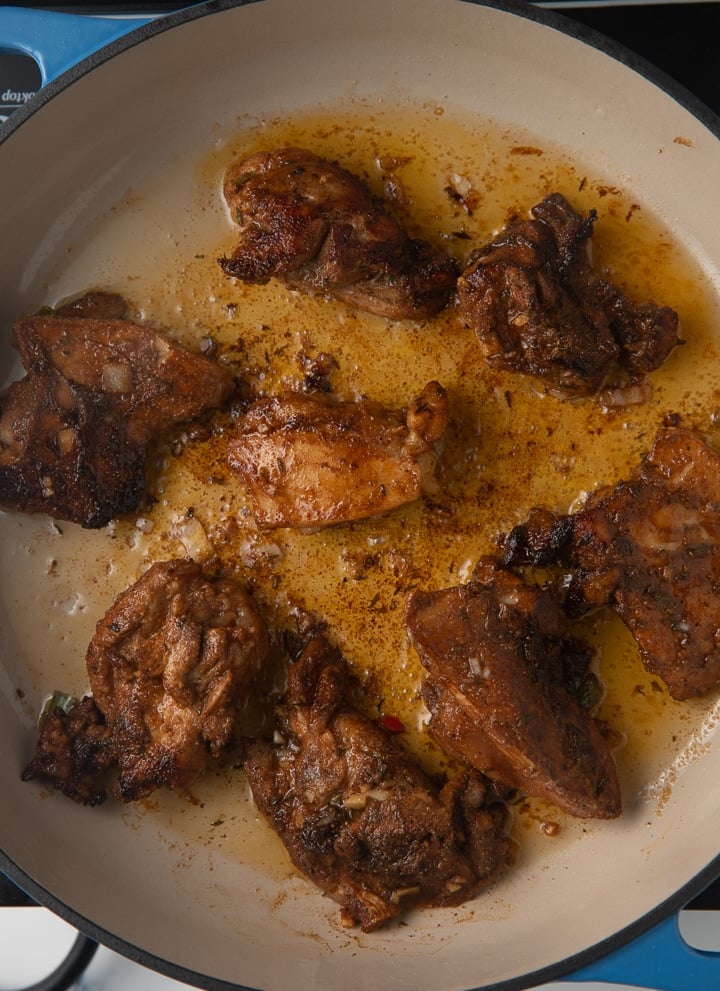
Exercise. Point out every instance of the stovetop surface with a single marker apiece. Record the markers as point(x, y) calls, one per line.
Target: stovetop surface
point(679, 38)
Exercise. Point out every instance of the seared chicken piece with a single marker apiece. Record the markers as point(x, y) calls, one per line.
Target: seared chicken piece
point(74, 432)
point(309, 460)
point(318, 228)
point(650, 548)
point(94, 305)
point(170, 666)
point(538, 306)
point(73, 751)
point(502, 686)
point(360, 819)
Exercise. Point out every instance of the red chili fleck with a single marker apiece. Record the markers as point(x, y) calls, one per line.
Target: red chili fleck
point(392, 724)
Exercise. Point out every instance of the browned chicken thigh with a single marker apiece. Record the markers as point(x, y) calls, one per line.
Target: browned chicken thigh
point(503, 684)
point(538, 306)
point(73, 751)
point(75, 430)
point(170, 666)
point(311, 460)
point(316, 226)
point(650, 548)
point(360, 819)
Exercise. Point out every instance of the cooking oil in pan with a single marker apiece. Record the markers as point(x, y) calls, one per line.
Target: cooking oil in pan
point(510, 445)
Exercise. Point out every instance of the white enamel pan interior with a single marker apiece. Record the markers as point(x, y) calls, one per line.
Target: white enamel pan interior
point(107, 127)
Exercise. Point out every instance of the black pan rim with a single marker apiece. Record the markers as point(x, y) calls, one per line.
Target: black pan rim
point(551, 18)
point(615, 50)
point(562, 969)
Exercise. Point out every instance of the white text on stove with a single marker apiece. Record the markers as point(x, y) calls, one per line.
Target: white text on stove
point(10, 96)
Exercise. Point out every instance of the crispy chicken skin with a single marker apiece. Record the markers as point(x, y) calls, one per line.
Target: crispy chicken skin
point(73, 751)
point(650, 548)
point(311, 460)
point(170, 666)
point(318, 228)
point(502, 685)
point(538, 306)
point(75, 430)
point(360, 819)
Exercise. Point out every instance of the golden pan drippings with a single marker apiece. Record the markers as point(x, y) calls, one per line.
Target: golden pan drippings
point(509, 445)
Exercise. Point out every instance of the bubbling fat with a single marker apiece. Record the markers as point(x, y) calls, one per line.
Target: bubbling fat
point(510, 446)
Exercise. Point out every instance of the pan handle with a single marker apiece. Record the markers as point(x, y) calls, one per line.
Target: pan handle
point(659, 959)
point(58, 41)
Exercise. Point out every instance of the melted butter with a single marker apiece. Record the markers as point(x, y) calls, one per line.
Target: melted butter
point(509, 447)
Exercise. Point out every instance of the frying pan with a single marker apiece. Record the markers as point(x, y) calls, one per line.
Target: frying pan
point(156, 91)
